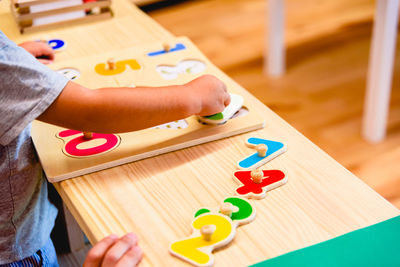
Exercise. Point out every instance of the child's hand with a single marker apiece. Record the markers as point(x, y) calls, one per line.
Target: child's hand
point(210, 94)
point(114, 252)
point(40, 50)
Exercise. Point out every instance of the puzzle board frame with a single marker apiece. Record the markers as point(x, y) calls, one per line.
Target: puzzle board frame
point(144, 143)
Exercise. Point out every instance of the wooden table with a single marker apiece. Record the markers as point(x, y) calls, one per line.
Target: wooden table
point(157, 197)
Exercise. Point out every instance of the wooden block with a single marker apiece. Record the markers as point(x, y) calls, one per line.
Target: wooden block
point(36, 15)
point(197, 248)
point(28, 27)
point(249, 188)
point(254, 161)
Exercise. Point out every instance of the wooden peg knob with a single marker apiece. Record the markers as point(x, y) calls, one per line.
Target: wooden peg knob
point(167, 47)
point(262, 150)
point(111, 64)
point(207, 231)
point(87, 135)
point(226, 209)
point(257, 176)
point(96, 10)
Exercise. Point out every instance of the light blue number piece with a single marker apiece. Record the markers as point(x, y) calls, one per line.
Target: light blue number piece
point(254, 161)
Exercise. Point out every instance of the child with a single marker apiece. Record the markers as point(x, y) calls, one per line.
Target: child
point(29, 91)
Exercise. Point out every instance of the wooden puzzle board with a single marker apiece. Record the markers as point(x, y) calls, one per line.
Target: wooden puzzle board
point(145, 143)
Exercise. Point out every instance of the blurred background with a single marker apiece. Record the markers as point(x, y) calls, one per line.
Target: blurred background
point(322, 92)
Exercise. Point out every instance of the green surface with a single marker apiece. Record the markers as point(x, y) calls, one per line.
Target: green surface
point(215, 117)
point(245, 209)
point(201, 211)
point(376, 245)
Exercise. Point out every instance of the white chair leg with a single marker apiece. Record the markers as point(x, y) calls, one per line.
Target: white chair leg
point(274, 58)
point(380, 72)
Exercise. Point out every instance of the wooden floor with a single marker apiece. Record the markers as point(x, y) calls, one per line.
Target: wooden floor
point(323, 91)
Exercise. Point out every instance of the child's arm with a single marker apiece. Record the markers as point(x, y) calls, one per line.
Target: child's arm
point(116, 110)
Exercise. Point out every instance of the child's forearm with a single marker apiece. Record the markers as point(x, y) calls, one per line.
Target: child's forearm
point(116, 110)
point(128, 109)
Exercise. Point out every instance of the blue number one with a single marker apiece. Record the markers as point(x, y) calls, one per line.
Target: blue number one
point(177, 47)
point(254, 161)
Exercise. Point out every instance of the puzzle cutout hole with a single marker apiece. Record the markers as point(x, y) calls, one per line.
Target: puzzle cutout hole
point(187, 66)
point(243, 111)
point(70, 73)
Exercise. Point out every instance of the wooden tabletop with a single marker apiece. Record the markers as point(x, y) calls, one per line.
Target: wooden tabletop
point(157, 197)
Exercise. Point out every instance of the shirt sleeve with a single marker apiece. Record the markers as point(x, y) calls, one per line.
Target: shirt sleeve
point(27, 89)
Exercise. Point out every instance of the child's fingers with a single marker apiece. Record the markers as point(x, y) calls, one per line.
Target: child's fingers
point(115, 253)
point(131, 258)
point(44, 50)
point(96, 254)
point(227, 99)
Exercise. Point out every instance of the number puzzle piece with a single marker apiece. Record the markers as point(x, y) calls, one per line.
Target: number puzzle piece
point(222, 117)
point(78, 147)
point(120, 67)
point(183, 67)
point(254, 161)
point(177, 47)
point(57, 44)
point(197, 249)
point(250, 189)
